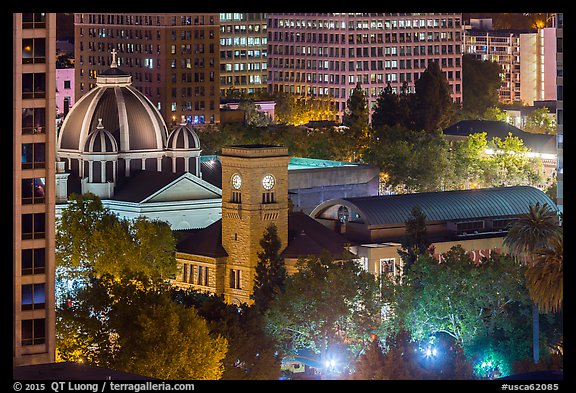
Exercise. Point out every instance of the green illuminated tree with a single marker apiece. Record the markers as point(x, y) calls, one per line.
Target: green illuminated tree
point(131, 324)
point(92, 241)
point(326, 304)
point(464, 300)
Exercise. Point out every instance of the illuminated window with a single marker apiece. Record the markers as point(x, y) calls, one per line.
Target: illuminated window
point(33, 297)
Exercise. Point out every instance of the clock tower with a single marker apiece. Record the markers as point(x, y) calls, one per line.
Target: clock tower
point(254, 195)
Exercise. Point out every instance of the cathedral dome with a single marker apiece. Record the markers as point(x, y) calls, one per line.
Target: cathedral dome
point(100, 141)
point(131, 118)
point(183, 137)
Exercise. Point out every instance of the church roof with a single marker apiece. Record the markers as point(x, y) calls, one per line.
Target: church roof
point(306, 237)
point(206, 241)
point(127, 113)
point(141, 184)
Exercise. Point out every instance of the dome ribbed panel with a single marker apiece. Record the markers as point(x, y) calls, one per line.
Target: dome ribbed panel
point(100, 141)
point(72, 126)
point(107, 110)
point(142, 127)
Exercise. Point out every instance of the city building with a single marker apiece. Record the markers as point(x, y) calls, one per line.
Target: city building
point(475, 219)
point(526, 57)
point(64, 91)
point(222, 258)
point(173, 58)
point(559, 23)
point(33, 187)
point(326, 55)
point(115, 144)
point(243, 54)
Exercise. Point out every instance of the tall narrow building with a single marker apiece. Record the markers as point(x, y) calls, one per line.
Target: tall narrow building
point(173, 59)
point(559, 23)
point(325, 55)
point(33, 184)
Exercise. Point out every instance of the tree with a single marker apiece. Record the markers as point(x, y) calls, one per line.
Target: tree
point(253, 116)
point(356, 115)
point(251, 350)
point(533, 231)
point(172, 342)
point(480, 83)
point(469, 302)
point(270, 270)
point(539, 121)
point(433, 108)
point(327, 304)
point(392, 109)
point(92, 241)
point(371, 364)
point(415, 241)
point(545, 276)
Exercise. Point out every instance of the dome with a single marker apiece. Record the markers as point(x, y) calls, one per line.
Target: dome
point(131, 118)
point(100, 141)
point(183, 137)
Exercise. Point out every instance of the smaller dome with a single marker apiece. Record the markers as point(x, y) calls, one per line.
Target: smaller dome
point(183, 137)
point(100, 140)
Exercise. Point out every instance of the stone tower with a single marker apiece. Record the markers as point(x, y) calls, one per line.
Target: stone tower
point(254, 195)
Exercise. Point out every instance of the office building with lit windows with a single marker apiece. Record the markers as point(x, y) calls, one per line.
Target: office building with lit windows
point(33, 185)
point(326, 54)
point(173, 59)
point(243, 53)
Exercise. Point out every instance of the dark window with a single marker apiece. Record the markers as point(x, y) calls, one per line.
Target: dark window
point(33, 226)
point(33, 121)
point(34, 85)
point(33, 331)
point(33, 155)
point(33, 261)
point(33, 20)
point(470, 226)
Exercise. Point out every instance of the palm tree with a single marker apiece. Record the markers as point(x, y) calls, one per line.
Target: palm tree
point(533, 231)
point(545, 276)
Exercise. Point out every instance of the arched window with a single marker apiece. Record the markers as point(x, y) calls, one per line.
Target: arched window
point(343, 214)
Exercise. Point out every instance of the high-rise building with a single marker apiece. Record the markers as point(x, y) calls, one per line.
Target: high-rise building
point(559, 23)
point(326, 54)
point(173, 59)
point(243, 53)
point(33, 184)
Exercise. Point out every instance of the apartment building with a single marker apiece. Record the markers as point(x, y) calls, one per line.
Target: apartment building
point(243, 54)
point(33, 185)
point(527, 58)
point(173, 59)
point(327, 54)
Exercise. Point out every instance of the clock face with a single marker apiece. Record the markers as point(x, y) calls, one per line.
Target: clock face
point(236, 181)
point(268, 182)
